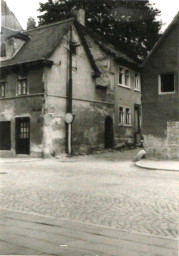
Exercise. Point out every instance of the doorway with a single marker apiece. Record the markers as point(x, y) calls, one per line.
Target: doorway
point(108, 133)
point(23, 135)
point(137, 118)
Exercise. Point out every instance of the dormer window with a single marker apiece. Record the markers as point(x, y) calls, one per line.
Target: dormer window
point(3, 50)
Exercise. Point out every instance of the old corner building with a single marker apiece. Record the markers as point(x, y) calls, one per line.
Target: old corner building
point(160, 94)
point(35, 94)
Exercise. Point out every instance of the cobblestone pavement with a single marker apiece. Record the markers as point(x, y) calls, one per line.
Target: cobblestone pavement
point(115, 194)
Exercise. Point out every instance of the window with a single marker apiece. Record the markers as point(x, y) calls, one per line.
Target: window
point(2, 89)
point(128, 116)
point(124, 116)
point(137, 82)
point(121, 115)
point(124, 77)
point(3, 50)
point(167, 83)
point(5, 135)
point(22, 87)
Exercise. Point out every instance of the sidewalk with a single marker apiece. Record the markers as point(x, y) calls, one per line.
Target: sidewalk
point(27, 234)
point(164, 165)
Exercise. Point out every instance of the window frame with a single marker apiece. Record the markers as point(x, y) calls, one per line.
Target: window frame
point(119, 115)
point(124, 117)
point(159, 83)
point(4, 84)
point(124, 70)
point(20, 86)
point(3, 50)
point(139, 81)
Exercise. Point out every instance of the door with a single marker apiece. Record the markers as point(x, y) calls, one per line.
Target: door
point(23, 135)
point(137, 118)
point(109, 134)
point(5, 135)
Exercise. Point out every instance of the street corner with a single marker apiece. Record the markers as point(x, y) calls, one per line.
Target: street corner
point(158, 165)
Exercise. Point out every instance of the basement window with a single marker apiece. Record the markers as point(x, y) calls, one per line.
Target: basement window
point(166, 83)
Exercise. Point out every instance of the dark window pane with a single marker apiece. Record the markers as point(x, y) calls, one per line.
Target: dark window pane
point(3, 50)
point(167, 82)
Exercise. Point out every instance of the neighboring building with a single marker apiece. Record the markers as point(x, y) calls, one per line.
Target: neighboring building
point(160, 95)
point(8, 18)
point(35, 91)
point(125, 76)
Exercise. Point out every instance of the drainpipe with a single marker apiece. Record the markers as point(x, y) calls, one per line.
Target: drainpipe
point(69, 100)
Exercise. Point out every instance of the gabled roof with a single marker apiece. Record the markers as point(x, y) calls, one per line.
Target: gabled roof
point(108, 47)
point(42, 42)
point(165, 34)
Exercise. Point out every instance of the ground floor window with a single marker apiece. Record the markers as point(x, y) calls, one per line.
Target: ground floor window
point(124, 115)
point(5, 135)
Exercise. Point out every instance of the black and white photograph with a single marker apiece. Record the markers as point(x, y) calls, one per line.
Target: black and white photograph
point(89, 127)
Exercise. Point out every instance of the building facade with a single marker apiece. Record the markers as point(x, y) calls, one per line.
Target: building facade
point(37, 68)
point(8, 18)
point(160, 95)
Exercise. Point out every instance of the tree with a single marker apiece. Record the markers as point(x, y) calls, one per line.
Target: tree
point(130, 25)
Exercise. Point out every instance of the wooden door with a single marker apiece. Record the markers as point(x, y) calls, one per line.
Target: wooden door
point(23, 135)
point(109, 134)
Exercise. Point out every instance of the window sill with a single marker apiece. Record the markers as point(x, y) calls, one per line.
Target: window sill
point(166, 93)
point(136, 90)
point(125, 86)
point(125, 125)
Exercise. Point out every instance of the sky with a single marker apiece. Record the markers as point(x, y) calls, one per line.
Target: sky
point(26, 8)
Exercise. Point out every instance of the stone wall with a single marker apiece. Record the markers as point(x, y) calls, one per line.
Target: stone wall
point(173, 140)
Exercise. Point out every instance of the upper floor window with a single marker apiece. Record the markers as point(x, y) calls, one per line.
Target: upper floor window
point(3, 50)
point(22, 88)
point(124, 77)
point(137, 83)
point(166, 83)
point(2, 89)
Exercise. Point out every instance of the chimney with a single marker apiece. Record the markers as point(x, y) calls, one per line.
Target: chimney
point(31, 23)
point(80, 16)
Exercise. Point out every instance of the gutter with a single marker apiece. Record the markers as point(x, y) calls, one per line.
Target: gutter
point(29, 63)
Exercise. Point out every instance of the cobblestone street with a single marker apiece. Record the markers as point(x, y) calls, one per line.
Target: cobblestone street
point(107, 193)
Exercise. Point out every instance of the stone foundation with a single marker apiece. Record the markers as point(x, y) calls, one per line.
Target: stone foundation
point(166, 147)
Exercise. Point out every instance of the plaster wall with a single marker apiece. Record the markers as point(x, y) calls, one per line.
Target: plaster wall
point(13, 106)
point(86, 96)
point(125, 97)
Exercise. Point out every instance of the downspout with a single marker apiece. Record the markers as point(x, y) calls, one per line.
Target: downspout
point(69, 99)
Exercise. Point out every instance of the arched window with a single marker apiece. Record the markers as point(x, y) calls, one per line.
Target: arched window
point(3, 49)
